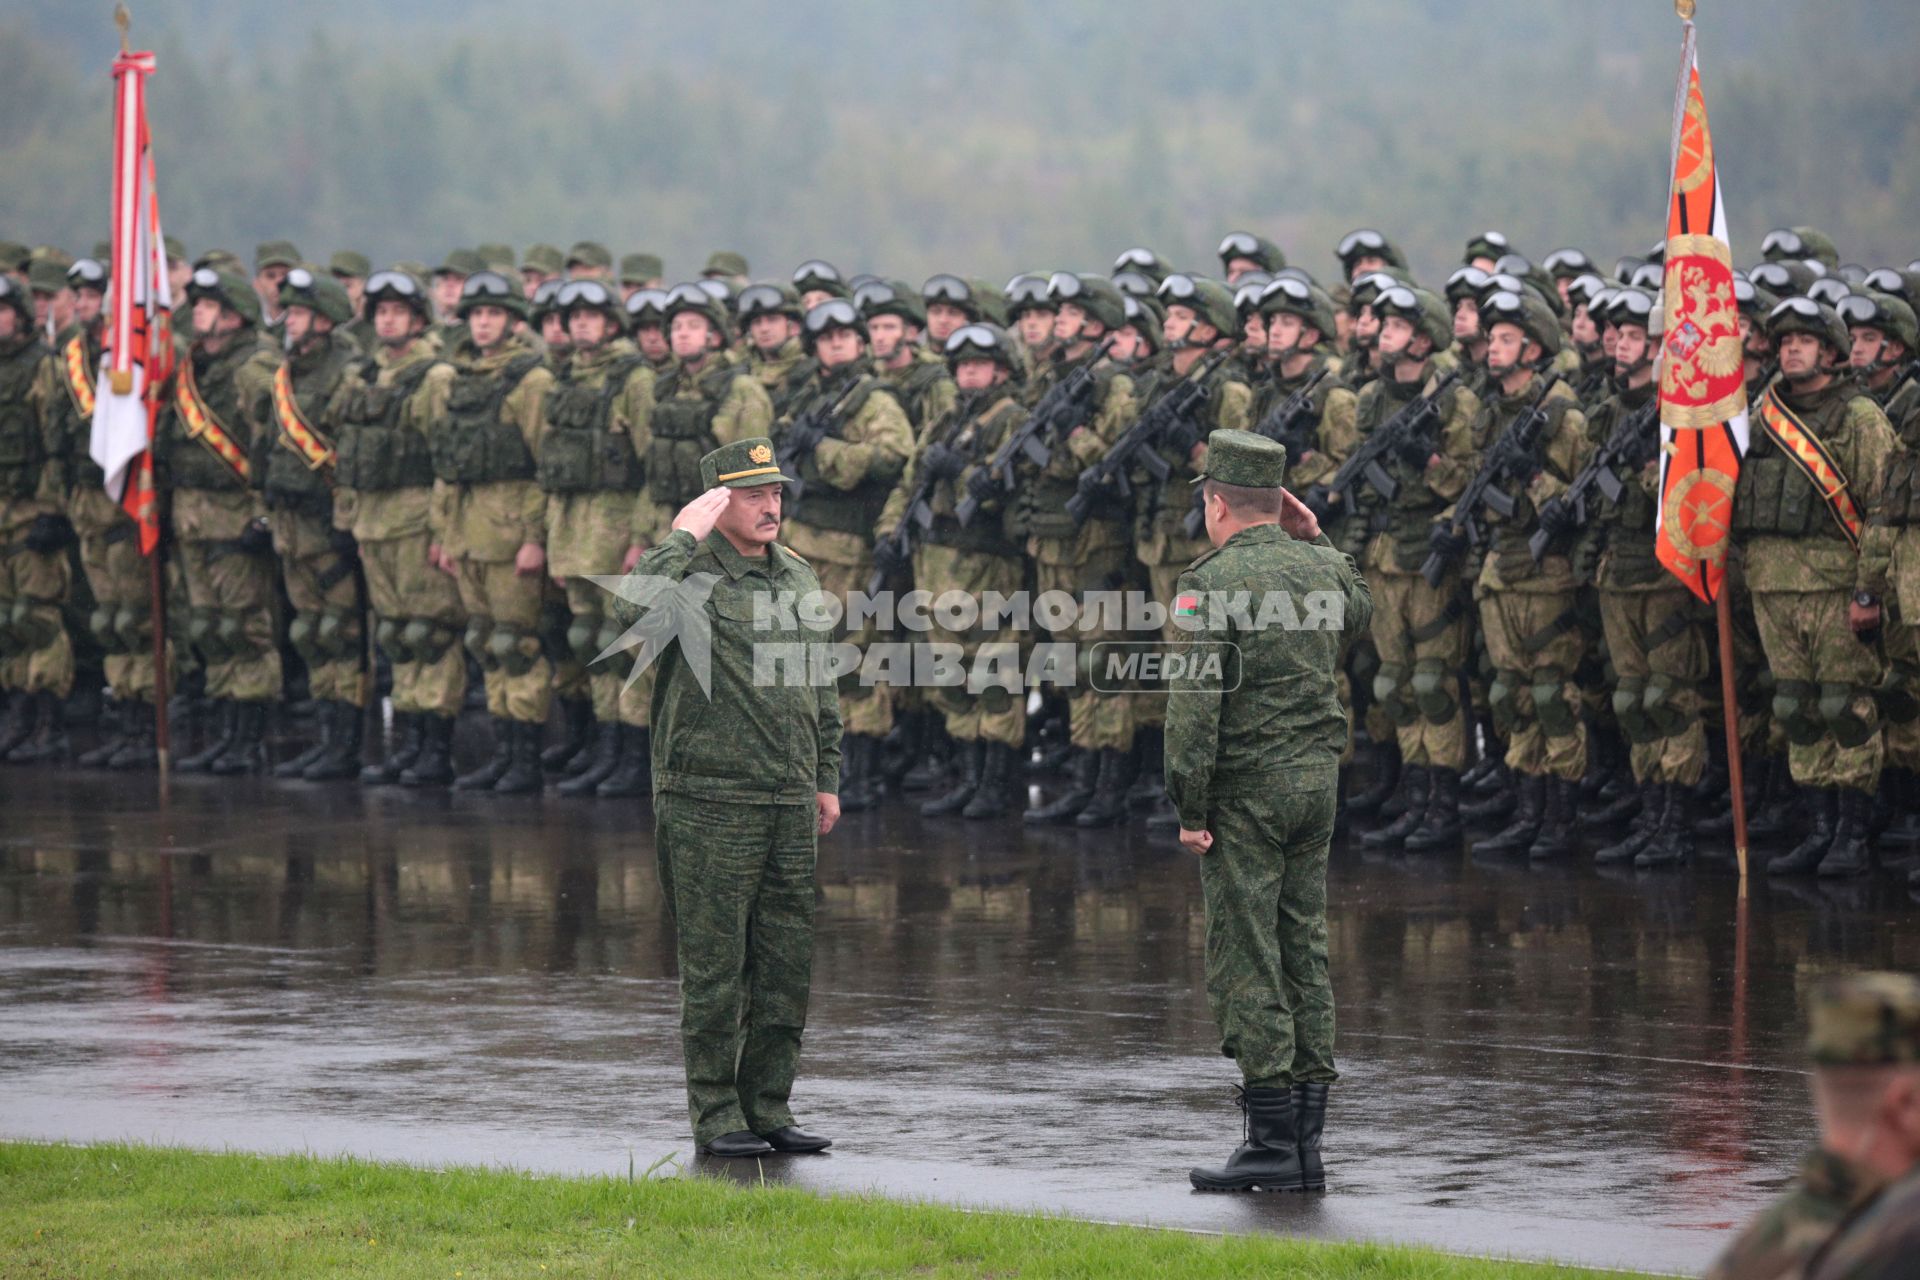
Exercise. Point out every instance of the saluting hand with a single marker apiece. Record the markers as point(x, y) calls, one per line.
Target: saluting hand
point(1297, 518)
point(699, 516)
point(1198, 841)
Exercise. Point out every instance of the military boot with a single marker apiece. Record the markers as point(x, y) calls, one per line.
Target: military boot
point(1497, 780)
point(523, 775)
point(972, 757)
point(137, 751)
point(48, 739)
point(1310, 1108)
point(576, 725)
point(1821, 805)
point(1404, 798)
point(633, 776)
point(1602, 751)
point(325, 725)
point(929, 769)
point(859, 773)
point(342, 760)
point(247, 753)
point(1386, 779)
point(1554, 840)
point(1417, 781)
point(408, 730)
point(19, 722)
point(1774, 818)
point(1716, 823)
point(1902, 791)
point(483, 778)
point(1163, 816)
point(1492, 806)
point(1672, 842)
point(96, 757)
point(1851, 853)
point(996, 780)
point(1150, 781)
point(1529, 809)
point(433, 767)
point(1440, 825)
point(1611, 804)
point(1269, 1158)
point(226, 722)
point(1641, 831)
point(1108, 804)
point(609, 740)
point(1082, 771)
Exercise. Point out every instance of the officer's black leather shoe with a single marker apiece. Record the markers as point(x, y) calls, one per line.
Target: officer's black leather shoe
point(738, 1143)
point(796, 1141)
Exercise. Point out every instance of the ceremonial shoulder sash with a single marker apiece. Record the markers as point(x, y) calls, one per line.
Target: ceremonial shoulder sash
point(1809, 453)
point(296, 432)
point(201, 424)
point(79, 376)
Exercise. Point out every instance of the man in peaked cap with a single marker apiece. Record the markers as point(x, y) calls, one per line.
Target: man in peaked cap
point(1252, 761)
point(745, 778)
point(350, 270)
point(725, 264)
point(1853, 1209)
point(640, 271)
point(542, 263)
point(272, 259)
point(589, 260)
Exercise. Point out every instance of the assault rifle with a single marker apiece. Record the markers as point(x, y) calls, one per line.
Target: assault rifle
point(1282, 424)
point(805, 433)
point(1504, 460)
point(1056, 412)
point(1629, 448)
point(1369, 458)
point(1137, 443)
point(895, 551)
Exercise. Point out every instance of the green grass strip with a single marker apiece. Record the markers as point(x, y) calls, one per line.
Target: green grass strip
point(134, 1211)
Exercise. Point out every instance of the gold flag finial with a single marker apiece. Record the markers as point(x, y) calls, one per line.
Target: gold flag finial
point(1684, 8)
point(122, 19)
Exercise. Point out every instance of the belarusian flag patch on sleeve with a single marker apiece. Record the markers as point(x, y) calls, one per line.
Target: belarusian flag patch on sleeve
point(1187, 606)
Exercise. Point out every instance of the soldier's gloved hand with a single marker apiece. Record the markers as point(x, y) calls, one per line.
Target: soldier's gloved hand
point(1448, 543)
point(1319, 500)
point(1416, 452)
point(1557, 518)
point(48, 533)
point(943, 462)
point(890, 558)
point(1090, 484)
point(341, 542)
point(1182, 436)
point(257, 538)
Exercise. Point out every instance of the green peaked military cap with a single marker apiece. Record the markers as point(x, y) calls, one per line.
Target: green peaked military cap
point(349, 263)
point(545, 257)
point(1865, 1019)
point(638, 268)
point(14, 256)
point(742, 465)
point(590, 253)
point(497, 253)
point(725, 262)
point(176, 248)
point(275, 253)
point(1245, 459)
point(461, 262)
point(44, 275)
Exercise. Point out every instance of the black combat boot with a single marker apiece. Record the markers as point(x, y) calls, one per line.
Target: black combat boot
point(1601, 753)
point(609, 740)
point(1821, 805)
point(138, 750)
point(405, 749)
point(1440, 825)
point(1611, 810)
point(1163, 816)
point(433, 767)
point(1404, 798)
point(1494, 805)
point(1902, 790)
point(1554, 840)
point(325, 725)
point(1416, 780)
point(576, 725)
point(972, 757)
point(1529, 809)
point(633, 776)
point(19, 721)
point(997, 769)
point(1150, 782)
point(523, 775)
point(1310, 1108)
point(1497, 780)
point(1781, 801)
point(48, 740)
point(96, 757)
point(1386, 779)
point(1269, 1159)
point(1851, 853)
point(929, 768)
point(1640, 831)
point(1108, 804)
point(1672, 842)
point(342, 759)
point(226, 722)
point(483, 778)
point(247, 753)
point(1082, 771)
point(859, 773)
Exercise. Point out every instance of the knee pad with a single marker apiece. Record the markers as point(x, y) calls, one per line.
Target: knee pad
point(1392, 694)
point(1630, 709)
point(583, 635)
point(232, 629)
point(131, 629)
point(476, 641)
point(1796, 705)
point(203, 633)
point(609, 634)
point(100, 623)
point(1557, 719)
point(1503, 693)
point(1433, 691)
point(390, 637)
point(1896, 696)
point(1364, 662)
point(1849, 713)
point(512, 650)
point(300, 636)
point(429, 639)
point(333, 637)
point(1662, 702)
point(996, 700)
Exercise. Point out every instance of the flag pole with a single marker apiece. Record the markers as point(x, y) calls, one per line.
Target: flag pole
point(1730, 716)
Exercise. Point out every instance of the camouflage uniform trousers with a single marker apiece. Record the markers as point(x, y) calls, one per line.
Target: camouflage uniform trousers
point(326, 629)
point(864, 708)
point(1265, 886)
point(614, 701)
point(1760, 734)
point(1097, 560)
point(1535, 645)
point(557, 619)
point(420, 624)
point(977, 711)
point(739, 881)
point(122, 620)
point(503, 634)
point(36, 654)
point(1657, 644)
point(1356, 677)
point(1422, 650)
point(1824, 682)
point(1903, 652)
point(230, 595)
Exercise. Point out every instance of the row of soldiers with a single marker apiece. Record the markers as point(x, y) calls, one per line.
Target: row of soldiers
point(433, 463)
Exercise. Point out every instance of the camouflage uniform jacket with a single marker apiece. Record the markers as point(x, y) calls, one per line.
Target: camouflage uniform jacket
point(1392, 536)
point(377, 515)
point(1788, 1233)
point(1861, 443)
point(1331, 421)
point(1882, 1242)
point(490, 522)
point(1560, 450)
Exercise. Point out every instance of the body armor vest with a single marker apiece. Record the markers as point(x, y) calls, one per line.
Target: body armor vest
point(1629, 521)
point(190, 464)
point(378, 450)
point(1509, 538)
point(854, 510)
point(23, 451)
point(989, 530)
point(682, 430)
point(1773, 497)
point(1409, 518)
point(474, 444)
point(911, 387)
point(580, 454)
point(289, 483)
point(1043, 506)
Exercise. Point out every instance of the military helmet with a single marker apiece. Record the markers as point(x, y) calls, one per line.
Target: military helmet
point(1366, 242)
point(1568, 264)
point(1804, 315)
point(88, 273)
point(646, 307)
point(1829, 290)
point(1526, 310)
point(1584, 288)
point(1630, 305)
point(1246, 294)
point(1648, 275)
point(1753, 301)
point(1144, 320)
point(817, 275)
point(228, 288)
point(1466, 282)
point(1290, 295)
point(767, 299)
point(1853, 273)
point(1367, 288)
point(395, 285)
point(1794, 244)
point(1210, 301)
point(980, 342)
point(1145, 261)
point(824, 317)
point(891, 298)
point(1028, 292)
point(691, 297)
point(1488, 244)
point(1904, 285)
point(590, 295)
point(541, 305)
point(1244, 244)
point(1136, 284)
point(1882, 311)
point(954, 292)
point(1625, 265)
point(1787, 279)
point(993, 303)
point(1425, 311)
point(14, 294)
point(305, 287)
point(1865, 1020)
point(1098, 296)
point(492, 289)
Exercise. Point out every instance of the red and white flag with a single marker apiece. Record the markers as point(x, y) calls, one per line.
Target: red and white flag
point(1703, 388)
point(138, 352)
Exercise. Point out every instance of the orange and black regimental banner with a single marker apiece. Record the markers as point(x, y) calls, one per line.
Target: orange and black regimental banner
point(1809, 453)
point(201, 425)
point(79, 376)
point(295, 431)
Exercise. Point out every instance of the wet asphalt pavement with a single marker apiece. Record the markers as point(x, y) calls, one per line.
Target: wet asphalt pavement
point(1536, 1062)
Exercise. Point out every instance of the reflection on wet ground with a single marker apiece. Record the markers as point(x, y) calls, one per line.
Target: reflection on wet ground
point(1538, 1063)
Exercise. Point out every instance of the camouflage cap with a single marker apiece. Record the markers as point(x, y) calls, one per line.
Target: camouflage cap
point(641, 268)
point(275, 253)
point(544, 257)
point(176, 248)
point(1244, 459)
point(1865, 1019)
point(590, 253)
point(725, 262)
point(744, 464)
point(349, 263)
point(461, 262)
point(220, 260)
point(102, 251)
point(52, 253)
point(497, 255)
point(44, 275)
point(14, 256)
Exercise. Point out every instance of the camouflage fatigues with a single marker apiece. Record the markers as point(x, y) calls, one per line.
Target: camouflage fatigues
point(36, 654)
